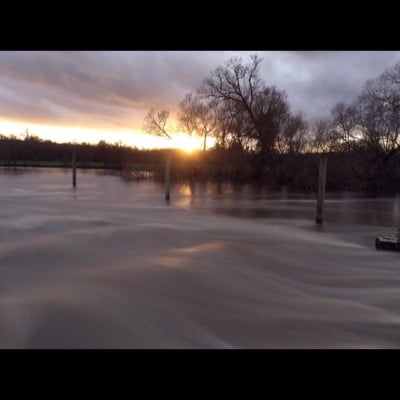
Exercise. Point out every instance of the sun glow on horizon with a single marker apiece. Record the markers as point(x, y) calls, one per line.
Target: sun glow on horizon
point(133, 138)
point(188, 143)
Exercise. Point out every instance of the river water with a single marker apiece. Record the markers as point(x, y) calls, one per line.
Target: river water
point(111, 265)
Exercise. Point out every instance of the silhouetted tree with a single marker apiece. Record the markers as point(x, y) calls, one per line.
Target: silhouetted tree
point(251, 109)
point(293, 138)
point(373, 120)
point(386, 88)
point(344, 132)
point(370, 126)
point(197, 116)
point(155, 123)
point(321, 139)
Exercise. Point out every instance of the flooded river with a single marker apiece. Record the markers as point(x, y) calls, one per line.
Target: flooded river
point(111, 265)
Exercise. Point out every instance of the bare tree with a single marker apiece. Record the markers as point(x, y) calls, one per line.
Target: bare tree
point(223, 131)
point(321, 139)
point(386, 88)
point(271, 111)
point(197, 116)
point(233, 88)
point(379, 123)
point(293, 138)
point(345, 126)
point(238, 89)
point(187, 114)
point(370, 126)
point(234, 82)
point(155, 123)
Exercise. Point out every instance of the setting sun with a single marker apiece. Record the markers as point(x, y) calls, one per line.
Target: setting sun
point(188, 143)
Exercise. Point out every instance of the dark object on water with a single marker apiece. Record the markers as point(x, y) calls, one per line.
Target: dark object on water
point(388, 242)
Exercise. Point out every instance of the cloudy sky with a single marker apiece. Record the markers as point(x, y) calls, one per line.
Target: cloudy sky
point(92, 95)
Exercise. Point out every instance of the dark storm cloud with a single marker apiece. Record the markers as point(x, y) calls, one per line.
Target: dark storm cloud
point(82, 85)
point(116, 89)
point(316, 80)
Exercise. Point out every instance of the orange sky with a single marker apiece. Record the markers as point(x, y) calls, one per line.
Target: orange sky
point(88, 96)
point(132, 138)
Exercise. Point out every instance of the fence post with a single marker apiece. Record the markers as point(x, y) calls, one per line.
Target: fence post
point(321, 188)
point(74, 168)
point(168, 176)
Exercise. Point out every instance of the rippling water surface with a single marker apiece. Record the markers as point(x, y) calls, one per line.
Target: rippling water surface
point(111, 265)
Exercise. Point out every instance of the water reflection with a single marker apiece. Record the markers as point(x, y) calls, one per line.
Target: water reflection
point(253, 201)
point(244, 201)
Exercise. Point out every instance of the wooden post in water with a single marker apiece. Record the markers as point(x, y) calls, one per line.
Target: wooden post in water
point(321, 188)
point(74, 168)
point(168, 176)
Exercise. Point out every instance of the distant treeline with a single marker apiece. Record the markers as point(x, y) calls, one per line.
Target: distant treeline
point(31, 151)
point(295, 171)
